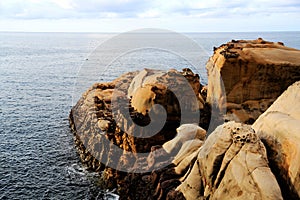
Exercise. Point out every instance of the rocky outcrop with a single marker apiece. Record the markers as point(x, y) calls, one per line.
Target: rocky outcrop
point(246, 76)
point(143, 132)
point(231, 164)
point(119, 129)
point(279, 129)
point(92, 124)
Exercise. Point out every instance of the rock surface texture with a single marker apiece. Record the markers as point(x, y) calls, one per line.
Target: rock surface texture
point(246, 76)
point(231, 164)
point(279, 129)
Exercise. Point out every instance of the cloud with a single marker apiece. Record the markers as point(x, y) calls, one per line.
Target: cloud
point(118, 6)
point(65, 4)
point(119, 15)
point(32, 9)
point(220, 8)
point(62, 9)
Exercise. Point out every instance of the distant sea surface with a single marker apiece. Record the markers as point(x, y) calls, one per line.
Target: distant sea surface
point(38, 72)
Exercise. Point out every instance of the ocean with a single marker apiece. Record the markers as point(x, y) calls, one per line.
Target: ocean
point(40, 80)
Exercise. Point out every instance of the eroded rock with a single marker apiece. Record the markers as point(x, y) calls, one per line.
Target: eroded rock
point(279, 129)
point(114, 126)
point(246, 76)
point(232, 163)
point(184, 133)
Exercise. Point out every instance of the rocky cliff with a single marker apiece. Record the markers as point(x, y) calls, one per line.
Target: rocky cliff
point(246, 76)
point(146, 132)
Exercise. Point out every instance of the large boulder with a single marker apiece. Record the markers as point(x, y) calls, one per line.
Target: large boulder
point(231, 164)
point(119, 128)
point(279, 129)
point(246, 76)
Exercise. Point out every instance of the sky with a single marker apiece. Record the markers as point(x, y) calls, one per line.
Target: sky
point(126, 15)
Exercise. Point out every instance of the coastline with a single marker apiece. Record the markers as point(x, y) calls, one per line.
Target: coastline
point(93, 147)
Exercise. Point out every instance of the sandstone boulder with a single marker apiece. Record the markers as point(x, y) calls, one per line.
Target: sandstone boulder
point(184, 133)
point(279, 129)
point(246, 76)
point(231, 164)
point(188, 141)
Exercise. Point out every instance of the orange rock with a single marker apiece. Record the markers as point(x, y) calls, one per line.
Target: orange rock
point(250, 70)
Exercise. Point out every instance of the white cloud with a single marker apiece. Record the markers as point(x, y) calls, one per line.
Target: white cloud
point(140, 8)
point(65, 4)
point(186, 15)
point(152, 13)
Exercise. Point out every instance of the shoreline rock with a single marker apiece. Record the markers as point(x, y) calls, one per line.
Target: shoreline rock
point(108, 124)
point(119, 128)
point(246, 76)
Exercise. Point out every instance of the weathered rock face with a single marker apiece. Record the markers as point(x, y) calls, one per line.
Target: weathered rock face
point(279, 129)
point(231, 164)
point(109, 124)
point(246, 76)
point(92, 124)
point(178, 93)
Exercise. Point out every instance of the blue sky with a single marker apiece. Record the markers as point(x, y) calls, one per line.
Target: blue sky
point(125, 15)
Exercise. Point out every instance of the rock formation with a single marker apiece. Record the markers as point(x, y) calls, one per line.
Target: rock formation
point(279, 129)
point(118, 126)
point(148, 132)
point(246, 76)
point(231, 164)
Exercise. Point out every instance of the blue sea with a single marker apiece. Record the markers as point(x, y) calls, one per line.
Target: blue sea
point(41, 78)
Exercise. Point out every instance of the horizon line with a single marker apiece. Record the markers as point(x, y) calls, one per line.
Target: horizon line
point(115, 32)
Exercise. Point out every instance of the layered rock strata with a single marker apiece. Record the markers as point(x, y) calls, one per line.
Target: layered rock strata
point(246, 76)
